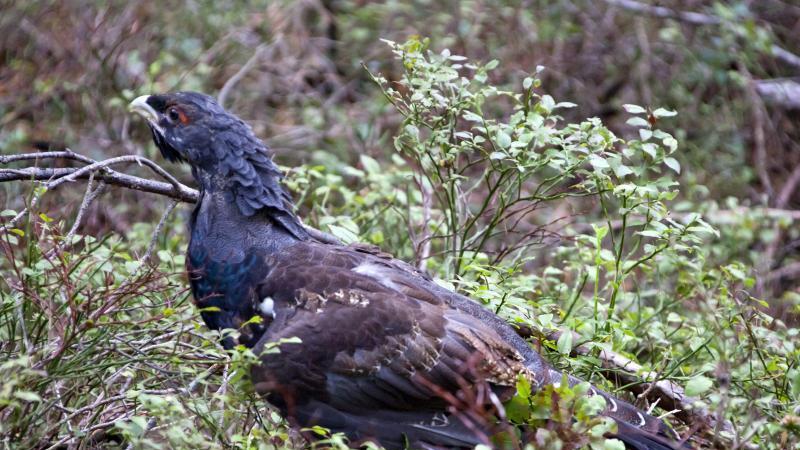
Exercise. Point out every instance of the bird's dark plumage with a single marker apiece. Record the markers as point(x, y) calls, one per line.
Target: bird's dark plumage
point(383, 351)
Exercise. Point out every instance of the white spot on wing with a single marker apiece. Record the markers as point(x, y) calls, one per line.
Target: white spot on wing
point(377, 273)
point(267, 307)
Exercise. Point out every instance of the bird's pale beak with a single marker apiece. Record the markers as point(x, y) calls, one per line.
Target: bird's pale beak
point(140, 106)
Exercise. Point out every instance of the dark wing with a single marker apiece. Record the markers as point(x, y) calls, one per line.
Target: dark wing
point(367, 347)
point(637, 429)
point(380, 345)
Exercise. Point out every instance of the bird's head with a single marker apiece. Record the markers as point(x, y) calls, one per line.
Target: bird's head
point(185, 126)
point(222, 150)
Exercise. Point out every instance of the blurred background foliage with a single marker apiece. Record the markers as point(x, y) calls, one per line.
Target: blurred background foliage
point(302, 74)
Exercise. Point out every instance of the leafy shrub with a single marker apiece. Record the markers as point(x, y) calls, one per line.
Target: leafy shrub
point(555, 226)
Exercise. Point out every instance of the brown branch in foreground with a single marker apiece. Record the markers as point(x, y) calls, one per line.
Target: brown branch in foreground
point(180, 192)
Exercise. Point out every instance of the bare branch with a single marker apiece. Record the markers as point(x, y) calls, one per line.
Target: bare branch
point(759, 138)
point(696, 19)
point(157, 232)
point(91, 194)
point(788, 189)
point(666, 13)
point(88, 198)
point(791, 271)
point(180, 192)
point(425, 253)
point(65, 154)
point(113, 161)
point(785, 56)
point(781, 92)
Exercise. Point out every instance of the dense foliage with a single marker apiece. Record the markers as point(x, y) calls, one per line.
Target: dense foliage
point(473, 167)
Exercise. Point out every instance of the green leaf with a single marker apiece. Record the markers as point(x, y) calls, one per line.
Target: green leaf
point(527, 83)
point(518, 409)
point(622, 170)
point(503, 139)
point(600, 231)
point(343, 233)
point(673, 164)
point(598, 162)
point(671, 143)
point(523, 386)
point(613, 444)
point(661, 112)
point(370, 165)
point(649, 233)
point(472, 117)
point(547, 103)
point(637, 122)
point(28, 396)
point(698, 385)
point(650, 149)
point(564, 344)
point(634, 109)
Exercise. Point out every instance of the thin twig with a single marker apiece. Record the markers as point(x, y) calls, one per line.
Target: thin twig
point(228, 86)
point(64, 154)
point(759, 138)
point(13, 222)
point(113, 161)
point(785, 56)
point(425, 252)
point(157, 232)
point(89, 197)
point(788, 188)
point(223, 389)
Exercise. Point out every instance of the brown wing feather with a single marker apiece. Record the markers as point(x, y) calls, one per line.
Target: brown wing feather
point(354, 328)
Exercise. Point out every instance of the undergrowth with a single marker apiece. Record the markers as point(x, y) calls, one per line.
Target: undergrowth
point(558, 227)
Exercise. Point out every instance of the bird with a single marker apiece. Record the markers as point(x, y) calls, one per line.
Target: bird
point(369, 345)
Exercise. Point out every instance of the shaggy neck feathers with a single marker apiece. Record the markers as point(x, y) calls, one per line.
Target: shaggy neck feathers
point(241, 168)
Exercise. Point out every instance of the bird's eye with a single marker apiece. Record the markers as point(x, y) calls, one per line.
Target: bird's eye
point(173, 114)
